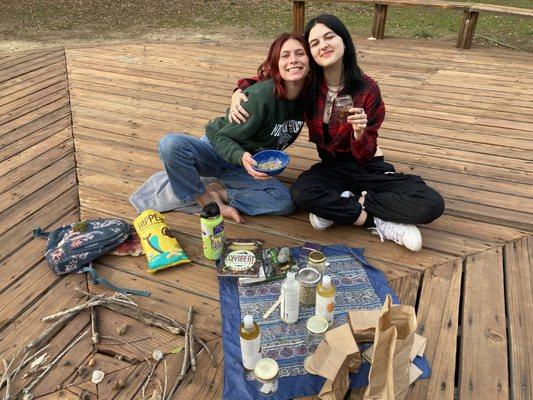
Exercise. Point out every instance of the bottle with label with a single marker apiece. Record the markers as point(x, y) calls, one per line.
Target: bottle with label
point(290, 299)
point(250, 335)
point(325, 299)
point(212, 225)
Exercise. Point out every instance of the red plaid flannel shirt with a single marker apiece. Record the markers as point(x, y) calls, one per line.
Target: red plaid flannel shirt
point(342, 142)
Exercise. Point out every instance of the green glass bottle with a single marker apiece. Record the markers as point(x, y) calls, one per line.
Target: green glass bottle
point(212, 225)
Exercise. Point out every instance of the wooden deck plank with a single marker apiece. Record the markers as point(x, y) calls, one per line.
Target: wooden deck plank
point(517, 257)
point(38, 199)
point(146, 339)
point(20, 92)
point(483, 360)
point(20, 233)
point(206, 382)
point(438, 321)
point(31, 65)
point(30, 161)
point(448, 120)
point(59, 297)
point(37, 181)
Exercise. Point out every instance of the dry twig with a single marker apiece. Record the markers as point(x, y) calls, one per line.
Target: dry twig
point(95, 337)
point(54, 361)
point(128, 344)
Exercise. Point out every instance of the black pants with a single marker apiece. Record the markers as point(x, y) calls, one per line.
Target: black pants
point(391, 196)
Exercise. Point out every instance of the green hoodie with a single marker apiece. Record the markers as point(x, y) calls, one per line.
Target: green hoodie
point(273, 124)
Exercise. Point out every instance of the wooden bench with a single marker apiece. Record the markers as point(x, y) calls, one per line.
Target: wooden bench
point(466, 31)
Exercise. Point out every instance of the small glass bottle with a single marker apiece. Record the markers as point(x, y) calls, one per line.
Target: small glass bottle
point(317, 260)
point(250, 337)
point(266, 373)
point(308, 278)
point(316, 328)
point(325, 299)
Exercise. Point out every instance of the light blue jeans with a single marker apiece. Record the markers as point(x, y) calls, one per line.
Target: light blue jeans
point(187, 158)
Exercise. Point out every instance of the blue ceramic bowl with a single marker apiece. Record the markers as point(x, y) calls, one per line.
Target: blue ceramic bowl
point(271, 156)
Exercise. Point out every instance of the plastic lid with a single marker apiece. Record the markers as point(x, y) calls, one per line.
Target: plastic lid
point(291, 276)
point(317, 324)
point(266, 368)
point(326, 281)
point(248, 321)
point(308, 277)
point(210, 210)
point(316, 256)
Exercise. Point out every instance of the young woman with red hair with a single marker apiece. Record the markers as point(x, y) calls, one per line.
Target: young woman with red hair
point(225, 152)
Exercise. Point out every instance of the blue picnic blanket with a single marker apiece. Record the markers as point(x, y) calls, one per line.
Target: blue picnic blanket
point(358, 286)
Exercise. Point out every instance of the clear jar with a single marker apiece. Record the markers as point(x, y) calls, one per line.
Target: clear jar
point(266, 373)
point(342, 107)
point(316, 329)
point(308, 278)
point(317, 260)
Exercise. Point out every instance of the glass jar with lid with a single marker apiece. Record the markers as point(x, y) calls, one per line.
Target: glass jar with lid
point(316, 327)
point(266, 373)
point(317, 260)
point(308, 278)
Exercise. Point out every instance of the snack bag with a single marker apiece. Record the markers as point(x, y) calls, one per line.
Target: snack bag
point(159, 244)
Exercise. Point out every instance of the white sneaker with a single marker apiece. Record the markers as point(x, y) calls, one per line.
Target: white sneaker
point(404, 234)
point(319, 223)
point(322, 223)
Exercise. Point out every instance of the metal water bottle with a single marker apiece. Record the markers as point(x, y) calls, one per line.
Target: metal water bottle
point(212, 225)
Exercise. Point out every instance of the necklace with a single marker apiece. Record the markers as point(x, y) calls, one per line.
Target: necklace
point(330, 98)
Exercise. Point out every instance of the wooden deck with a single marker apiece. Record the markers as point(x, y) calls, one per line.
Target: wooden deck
point(78, 134)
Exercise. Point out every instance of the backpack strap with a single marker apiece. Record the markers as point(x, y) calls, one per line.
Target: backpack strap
point(98, 280)
point(38, 232)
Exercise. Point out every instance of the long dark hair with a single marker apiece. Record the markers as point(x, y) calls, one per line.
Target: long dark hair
point(270, 67)
point(351, 72)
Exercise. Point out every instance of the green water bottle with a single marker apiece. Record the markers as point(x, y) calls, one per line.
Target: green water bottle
point(212, 224)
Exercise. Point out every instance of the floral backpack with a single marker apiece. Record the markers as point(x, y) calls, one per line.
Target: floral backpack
point(73, 247)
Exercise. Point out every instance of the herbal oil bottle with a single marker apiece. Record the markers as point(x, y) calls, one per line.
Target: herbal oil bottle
point(325, 299)
point(250, 342)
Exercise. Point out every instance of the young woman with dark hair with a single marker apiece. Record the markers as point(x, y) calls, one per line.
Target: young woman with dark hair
point(225, 152)
point(352, 185)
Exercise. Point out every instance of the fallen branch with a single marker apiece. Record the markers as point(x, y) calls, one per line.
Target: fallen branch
point(129, 344)
point(191, 348)
point(95, 335)
point(187, 353)
point(34, 382)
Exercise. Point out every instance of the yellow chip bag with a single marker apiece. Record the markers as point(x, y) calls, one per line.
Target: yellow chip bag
point(159, 244)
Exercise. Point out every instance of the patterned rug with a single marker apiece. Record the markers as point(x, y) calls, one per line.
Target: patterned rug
point(286, 343)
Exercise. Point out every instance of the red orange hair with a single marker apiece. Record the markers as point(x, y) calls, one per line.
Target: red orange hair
point(270, 67)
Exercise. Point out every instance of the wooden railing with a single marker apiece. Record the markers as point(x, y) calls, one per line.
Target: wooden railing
point(466, 31)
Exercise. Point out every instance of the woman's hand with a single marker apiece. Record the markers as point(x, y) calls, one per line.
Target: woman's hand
point(247, 161)
point(237, 113)
point(358, 120)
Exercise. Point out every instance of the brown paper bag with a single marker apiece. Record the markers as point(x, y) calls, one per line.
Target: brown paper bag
point(327, 361)
point(336, 389)
point(363, 324)
point(334, 358)
point(394, 336)
point(342, 337)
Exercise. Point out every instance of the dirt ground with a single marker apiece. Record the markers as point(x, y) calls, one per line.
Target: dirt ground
point(35, 24)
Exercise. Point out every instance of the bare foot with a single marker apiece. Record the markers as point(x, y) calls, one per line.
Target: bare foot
point(219, 189)
point(225, 210)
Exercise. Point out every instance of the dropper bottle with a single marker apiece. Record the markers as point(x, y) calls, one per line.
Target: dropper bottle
point(250, 336)
point(325, 299)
